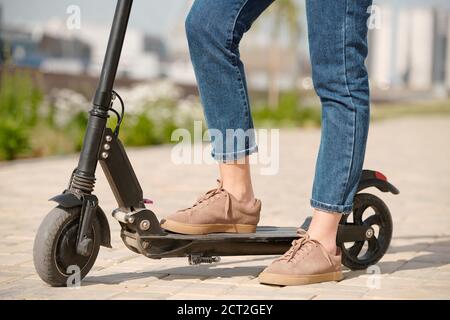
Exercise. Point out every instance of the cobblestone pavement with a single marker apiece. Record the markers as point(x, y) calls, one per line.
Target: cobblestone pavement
point(413, 152)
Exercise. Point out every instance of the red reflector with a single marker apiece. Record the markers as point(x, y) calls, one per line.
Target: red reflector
point(380, 176)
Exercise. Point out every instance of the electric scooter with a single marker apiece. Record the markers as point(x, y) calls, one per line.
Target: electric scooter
point(72, 233)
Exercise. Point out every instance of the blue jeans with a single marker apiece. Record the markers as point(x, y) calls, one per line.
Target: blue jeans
point(337, 32)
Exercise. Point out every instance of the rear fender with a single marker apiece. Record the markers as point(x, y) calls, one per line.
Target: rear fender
point(376, 179)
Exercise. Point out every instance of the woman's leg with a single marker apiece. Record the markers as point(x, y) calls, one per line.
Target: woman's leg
point(338, 46)
point(214, 30)
point(338, 49)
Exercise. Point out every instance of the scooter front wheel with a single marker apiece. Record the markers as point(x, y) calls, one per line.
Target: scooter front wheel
point(55, 257)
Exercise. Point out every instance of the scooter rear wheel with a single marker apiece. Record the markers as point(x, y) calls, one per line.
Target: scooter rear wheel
point(360, 255)
point(54, 251)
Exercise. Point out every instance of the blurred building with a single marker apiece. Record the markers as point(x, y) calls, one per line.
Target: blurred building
point(141, 54)
point(258, 50)
point(179, 70)
point(411, 49)
point(20, 47)
point(64, 55)
point(53, 47)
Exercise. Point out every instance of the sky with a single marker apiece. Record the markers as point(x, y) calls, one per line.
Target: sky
point(154, 16)
point(151, 16)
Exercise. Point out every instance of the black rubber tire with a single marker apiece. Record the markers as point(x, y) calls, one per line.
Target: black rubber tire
point(47, 240)
point(353, 262)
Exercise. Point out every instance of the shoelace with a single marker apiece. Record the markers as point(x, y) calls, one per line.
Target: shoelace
point(304, 242)
point(211, 193)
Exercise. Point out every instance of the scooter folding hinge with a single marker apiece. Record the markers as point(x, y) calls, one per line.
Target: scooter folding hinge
point(142, 220)
point(122, 216)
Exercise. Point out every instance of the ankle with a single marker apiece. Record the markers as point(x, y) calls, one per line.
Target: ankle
point(327, 243)
point(241, 194)
point(237, 181)
point(323, 228)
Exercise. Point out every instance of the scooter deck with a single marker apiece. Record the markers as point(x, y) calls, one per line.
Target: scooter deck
point(266, 240)
point(262, 233)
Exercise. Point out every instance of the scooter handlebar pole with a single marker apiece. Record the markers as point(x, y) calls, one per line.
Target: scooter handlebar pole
point(87, 163)
point(102, 97)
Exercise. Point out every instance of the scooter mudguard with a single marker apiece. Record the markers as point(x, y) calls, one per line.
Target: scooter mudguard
point(376, 179)
point(69, 200)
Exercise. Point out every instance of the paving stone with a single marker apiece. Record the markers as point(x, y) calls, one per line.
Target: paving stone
point(206, 289)
point(128, 279)
point(14, 259)
point(417, 270)
point(417, 265)
point(338, 296)
point(192, 296)
point(408, 294)
point(249, 280)
point(140, 296)
point(435, 257)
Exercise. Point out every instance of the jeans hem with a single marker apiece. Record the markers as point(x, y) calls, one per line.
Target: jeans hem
point(332, 208)
point(233, 156)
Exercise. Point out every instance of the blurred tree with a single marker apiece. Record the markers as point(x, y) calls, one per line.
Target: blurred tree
point(285, 15)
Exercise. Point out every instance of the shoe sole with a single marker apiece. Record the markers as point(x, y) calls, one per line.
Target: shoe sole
point(293, 280)
point(186, 228)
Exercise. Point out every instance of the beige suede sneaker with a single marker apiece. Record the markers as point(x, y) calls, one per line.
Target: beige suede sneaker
point(215, 211)
point(307, 261)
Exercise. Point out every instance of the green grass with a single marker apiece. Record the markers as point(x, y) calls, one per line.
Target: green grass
point(398, 110)
point(290, 112)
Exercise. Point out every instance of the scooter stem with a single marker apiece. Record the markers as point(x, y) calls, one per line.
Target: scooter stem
point(103, 94)
point(84, 175)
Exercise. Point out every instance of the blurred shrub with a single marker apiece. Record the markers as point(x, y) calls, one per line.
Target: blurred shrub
point(150, 126)
point(76, 128)
point(32, 125)
point(139, 130)
point(289, 112)
point(13, 139)
point(19, 102)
